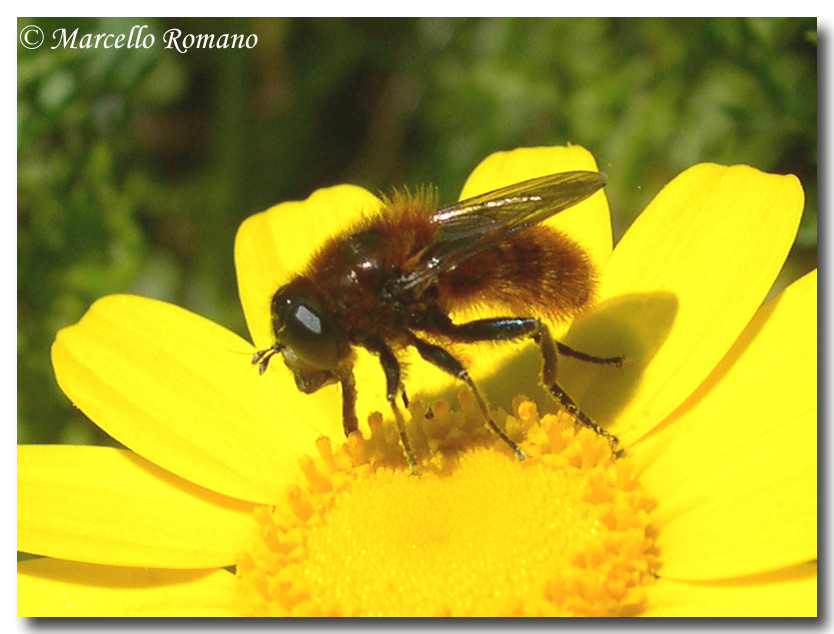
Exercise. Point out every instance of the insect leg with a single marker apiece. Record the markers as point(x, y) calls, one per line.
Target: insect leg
point(445, 361)
point(584, 356)
point(391, 368)
point(350, 422)
point(508, 328)
point(548, 347)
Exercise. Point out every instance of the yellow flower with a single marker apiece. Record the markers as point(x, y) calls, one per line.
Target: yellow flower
point(716, 408)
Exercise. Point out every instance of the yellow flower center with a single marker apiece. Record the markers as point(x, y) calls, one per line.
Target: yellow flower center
point(564, 532)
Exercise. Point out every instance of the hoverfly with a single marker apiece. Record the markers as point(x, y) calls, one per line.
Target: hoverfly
point(391, 281)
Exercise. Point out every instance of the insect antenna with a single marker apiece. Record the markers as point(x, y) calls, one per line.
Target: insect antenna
point(262, 357)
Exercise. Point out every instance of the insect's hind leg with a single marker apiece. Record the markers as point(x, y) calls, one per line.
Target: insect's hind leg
point(441, 358)
point(584, 356)
point(548, 345)
point(508, 328)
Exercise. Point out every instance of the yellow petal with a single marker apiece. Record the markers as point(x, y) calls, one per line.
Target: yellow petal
point(109, 506)
point(273, 245)
point(51, 587)
point(180, 391)
point(736, 465)
point(679, 288)
point(785, 593)
point(589, 222)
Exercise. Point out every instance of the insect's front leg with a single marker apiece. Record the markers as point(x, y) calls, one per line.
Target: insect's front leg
point(393, 383)
point(350, 422)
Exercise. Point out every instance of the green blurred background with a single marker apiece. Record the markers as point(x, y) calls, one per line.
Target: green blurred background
point(135, 166)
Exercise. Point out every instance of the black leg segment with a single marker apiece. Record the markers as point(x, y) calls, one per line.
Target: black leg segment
point(509, 328)
point(349, 420)
point(441, 358)
point(393, 385)
point(548, 347)
point(584, 356)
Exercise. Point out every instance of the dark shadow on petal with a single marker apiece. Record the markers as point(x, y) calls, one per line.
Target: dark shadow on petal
point(634, 325)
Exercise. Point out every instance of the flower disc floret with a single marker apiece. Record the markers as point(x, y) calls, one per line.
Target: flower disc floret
point(565, 532)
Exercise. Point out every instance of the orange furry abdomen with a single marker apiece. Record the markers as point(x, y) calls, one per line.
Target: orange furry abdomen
point(535, 271)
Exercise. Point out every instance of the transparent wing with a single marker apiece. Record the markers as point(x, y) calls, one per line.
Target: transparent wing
point(469, 226)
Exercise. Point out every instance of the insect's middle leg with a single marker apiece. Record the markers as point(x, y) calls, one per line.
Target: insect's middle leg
point(441, 358)
point(508, 328)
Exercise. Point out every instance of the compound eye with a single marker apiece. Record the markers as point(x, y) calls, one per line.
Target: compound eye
point(305, 327)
